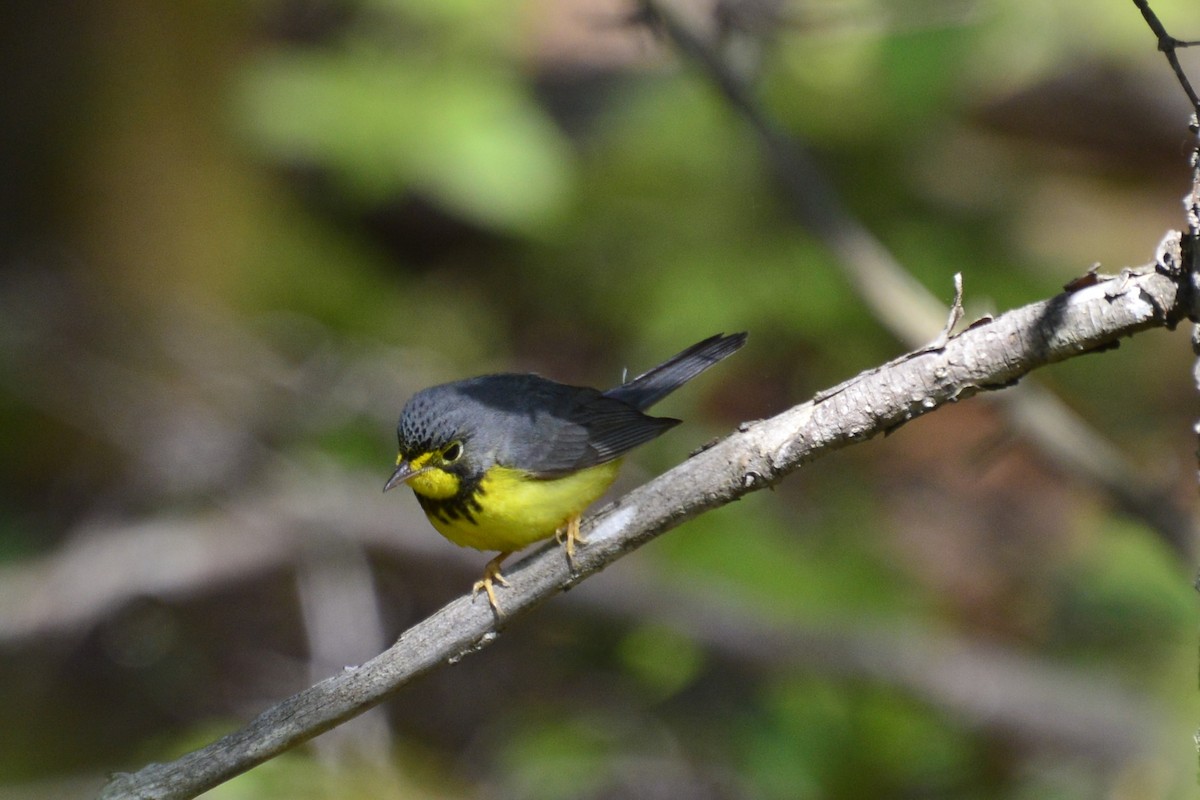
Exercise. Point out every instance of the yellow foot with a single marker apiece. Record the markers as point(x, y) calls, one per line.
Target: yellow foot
point(568, 536)
point(491, 576)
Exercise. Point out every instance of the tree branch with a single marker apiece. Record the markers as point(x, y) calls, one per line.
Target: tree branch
point(988, 355)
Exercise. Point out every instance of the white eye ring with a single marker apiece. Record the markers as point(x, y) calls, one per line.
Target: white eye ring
point(452, 453)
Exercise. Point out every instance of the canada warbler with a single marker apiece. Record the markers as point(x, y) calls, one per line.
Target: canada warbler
point(502, 461)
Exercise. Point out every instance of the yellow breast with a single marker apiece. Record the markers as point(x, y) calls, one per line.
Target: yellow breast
point(511, 510)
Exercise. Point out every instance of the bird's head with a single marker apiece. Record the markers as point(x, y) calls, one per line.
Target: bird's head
point(435, 442)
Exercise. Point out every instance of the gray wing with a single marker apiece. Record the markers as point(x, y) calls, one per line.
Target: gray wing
point(552, 429)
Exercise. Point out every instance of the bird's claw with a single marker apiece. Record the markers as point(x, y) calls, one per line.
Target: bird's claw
point(491, 576)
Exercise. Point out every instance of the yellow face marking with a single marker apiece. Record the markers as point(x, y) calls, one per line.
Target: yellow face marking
point(417, 462)
point(433, 482)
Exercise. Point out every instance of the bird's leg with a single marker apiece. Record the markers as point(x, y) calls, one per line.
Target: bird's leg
point(491, 576)
point(568, 536)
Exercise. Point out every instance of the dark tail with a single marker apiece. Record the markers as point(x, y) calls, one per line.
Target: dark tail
point(648, 388)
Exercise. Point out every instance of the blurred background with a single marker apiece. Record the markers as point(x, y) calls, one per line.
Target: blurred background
point(237, 235)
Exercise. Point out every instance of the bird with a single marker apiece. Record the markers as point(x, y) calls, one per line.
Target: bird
point(498, 462)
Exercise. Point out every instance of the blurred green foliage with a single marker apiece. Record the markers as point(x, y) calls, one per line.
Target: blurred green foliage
point(478, 145)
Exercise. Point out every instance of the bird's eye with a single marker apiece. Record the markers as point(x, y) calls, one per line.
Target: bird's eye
point(452, 453)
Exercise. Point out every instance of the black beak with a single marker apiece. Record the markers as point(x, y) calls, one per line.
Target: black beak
point(403, 472)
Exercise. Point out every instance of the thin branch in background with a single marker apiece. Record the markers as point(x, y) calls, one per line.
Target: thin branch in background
point(990, 355)
point(984, 685)
point(912, 313)
point(102, 567)
point(343, 625)
point(1093, 718)
point(900, 302)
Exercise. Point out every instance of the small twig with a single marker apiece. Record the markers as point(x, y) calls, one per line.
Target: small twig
point(953, 318)
point(1167, 45)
